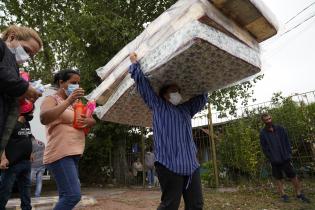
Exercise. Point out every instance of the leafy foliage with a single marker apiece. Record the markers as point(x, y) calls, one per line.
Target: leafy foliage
point(238, 146)
point(227, 99)
point(85, 35)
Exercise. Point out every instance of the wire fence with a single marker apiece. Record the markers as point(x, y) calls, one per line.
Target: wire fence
point(237, 146)
point(239, 156)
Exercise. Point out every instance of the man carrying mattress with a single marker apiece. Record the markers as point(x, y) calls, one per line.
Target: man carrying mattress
point(176, 163)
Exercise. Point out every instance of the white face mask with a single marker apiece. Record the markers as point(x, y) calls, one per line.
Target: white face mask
point(175, 98)
point(71, 88)
point(20, 55)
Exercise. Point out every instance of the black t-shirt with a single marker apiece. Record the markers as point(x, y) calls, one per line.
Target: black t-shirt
point(19, 146)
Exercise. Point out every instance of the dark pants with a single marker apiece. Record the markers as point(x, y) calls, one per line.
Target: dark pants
point(173, 186)
point(139, 178)
point(20, 172)
point(285, 167)
point(65, 172)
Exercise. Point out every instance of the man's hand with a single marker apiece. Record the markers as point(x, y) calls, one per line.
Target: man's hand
point(31, 93)
point(4, 163)
point(133, 57)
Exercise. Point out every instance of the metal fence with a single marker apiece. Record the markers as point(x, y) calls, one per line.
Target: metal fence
point(239, 157)
point(236, 143)
point(201, 119)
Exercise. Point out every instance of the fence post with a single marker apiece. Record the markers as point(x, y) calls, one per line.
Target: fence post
point(142, 154)
point(212, 143)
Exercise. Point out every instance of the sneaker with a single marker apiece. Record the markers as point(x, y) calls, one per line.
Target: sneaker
point(285, 198)
point(303, 198)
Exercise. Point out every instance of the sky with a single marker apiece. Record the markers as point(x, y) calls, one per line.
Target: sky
point(287, 59)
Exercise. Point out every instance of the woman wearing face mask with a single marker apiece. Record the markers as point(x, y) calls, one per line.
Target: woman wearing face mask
point(17, 44)
point(65, 144)
point(176, 163)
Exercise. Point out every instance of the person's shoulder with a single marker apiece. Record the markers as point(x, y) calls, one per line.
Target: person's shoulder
point(2, 44)
point(54, 98)
point(262, 130)
point(279, 127)
point(2, 49)
point(262, 134)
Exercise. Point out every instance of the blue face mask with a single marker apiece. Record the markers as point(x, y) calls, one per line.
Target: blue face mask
point(71, 88)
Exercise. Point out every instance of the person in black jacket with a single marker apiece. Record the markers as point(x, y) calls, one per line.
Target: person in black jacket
point(16, 163)
point(17, 45)
point(277, 149)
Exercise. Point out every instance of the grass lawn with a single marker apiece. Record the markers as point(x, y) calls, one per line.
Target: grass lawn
point(238, 198)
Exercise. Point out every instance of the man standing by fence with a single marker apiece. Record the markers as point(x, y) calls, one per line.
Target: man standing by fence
point(276, 147)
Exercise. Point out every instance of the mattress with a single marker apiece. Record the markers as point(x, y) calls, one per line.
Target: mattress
point(202, 45)
point(172, 20)
point(197, 57)
point(251, 15)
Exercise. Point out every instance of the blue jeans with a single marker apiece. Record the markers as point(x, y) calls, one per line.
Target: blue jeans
point(19, 172)
point(65, 172)
point(37, 176)
point(151, 176)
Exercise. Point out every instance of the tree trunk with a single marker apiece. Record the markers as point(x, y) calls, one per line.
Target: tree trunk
point(120, 162)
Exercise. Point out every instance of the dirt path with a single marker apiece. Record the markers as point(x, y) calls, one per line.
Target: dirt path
point(148, 199)
point(123, 199)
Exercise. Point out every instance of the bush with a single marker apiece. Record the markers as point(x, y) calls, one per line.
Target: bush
point(239, 149)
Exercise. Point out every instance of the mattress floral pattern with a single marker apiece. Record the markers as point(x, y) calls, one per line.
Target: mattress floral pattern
point(197, 57)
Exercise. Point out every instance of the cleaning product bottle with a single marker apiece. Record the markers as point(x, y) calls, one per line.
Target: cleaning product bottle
point(25, 75)
point(78, 111)
point(38, 85)
point(89, 109)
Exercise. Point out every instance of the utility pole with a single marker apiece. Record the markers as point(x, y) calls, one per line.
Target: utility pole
point(213, 147)
point(142, 152)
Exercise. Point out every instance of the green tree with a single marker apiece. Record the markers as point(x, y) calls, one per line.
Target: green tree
point(85, 35)
point(239, 149)
point(226, 100)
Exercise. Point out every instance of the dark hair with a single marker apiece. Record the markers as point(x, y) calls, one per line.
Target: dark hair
point(164, 89)
point(64, 75)
point(264, 115)
point(149, 149)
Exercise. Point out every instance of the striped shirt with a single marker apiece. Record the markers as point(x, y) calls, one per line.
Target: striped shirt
point(174, 146)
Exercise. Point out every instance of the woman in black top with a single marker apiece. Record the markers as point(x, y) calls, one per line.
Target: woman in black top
point(16, 163)
point(17, 45)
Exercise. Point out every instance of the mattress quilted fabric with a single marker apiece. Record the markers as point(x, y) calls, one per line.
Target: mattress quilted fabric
point(192, 44)
point(199, 58)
